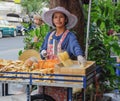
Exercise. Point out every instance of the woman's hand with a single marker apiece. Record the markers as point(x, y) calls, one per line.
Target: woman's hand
point(81, 60)
point(44, 53)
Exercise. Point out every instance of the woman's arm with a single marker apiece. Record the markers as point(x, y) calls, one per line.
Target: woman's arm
point(71, 45)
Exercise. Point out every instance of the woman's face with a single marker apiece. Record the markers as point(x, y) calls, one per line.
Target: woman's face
point(59, 20)
point(37, 21)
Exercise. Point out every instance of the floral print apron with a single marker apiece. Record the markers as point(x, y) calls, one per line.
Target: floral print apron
point(57, 93)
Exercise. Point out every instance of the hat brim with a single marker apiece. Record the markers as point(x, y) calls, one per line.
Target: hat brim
point(47, 17)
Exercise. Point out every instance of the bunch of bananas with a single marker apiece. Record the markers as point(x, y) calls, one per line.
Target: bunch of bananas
point(65, 59)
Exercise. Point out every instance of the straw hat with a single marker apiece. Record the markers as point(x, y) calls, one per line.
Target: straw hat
point(47, 17)
point(29, 53)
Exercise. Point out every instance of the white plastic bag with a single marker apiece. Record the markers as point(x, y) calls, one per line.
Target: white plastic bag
point(114, 96)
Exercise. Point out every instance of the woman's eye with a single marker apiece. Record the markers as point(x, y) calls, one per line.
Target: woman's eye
point(55, 17)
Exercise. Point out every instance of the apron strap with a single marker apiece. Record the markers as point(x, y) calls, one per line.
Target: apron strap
point(61, 40)
point(50, 37)
point(50, 46)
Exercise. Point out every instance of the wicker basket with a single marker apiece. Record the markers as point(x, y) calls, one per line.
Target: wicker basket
point(29, 53)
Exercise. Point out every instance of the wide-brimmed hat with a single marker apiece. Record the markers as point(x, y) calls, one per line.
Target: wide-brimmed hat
point(47, 17)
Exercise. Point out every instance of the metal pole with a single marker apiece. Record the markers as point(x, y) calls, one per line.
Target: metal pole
point(69, 94)
point(88, 27)
point(29, 87)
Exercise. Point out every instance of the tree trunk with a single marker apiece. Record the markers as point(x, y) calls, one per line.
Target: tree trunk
point(75, 7)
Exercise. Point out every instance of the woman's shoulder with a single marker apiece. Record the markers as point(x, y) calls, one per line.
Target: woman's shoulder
point(50, 32)
point(71, 34)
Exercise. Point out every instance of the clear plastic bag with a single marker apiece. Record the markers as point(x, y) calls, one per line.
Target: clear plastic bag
point(114, 96)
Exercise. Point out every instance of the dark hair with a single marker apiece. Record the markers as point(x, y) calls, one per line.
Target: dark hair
point(64, 16)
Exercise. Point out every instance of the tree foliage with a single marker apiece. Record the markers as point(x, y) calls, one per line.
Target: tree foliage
point(101, 45)
point(34, 5)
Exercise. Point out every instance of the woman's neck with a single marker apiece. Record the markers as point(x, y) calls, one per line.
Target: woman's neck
point(60, 31)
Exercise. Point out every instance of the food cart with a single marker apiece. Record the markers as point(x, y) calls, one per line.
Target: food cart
point(69, 77)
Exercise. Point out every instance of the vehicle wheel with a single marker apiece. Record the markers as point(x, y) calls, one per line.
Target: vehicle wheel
point(15, 34)
point(22, 33)
point(1, 34)
point(41, 97)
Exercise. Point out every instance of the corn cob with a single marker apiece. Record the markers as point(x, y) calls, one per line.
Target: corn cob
point(65, 59)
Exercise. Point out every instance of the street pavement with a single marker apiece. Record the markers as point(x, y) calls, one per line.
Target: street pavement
point(17, 97)
point(10, 47)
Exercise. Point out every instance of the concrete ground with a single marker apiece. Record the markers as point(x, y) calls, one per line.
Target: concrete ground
point(17, 97)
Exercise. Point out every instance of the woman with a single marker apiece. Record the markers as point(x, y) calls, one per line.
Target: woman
point(62, 20)
point(38, 22)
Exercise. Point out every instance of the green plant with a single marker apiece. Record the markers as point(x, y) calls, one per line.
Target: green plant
point(101, 45)
point(28, 39)
point(40, 33)
point(117, 17)
point(100, 48)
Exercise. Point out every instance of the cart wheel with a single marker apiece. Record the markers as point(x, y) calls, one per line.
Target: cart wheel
point(41, 97)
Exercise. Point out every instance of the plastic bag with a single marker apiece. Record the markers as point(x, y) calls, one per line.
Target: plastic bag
point(114, 96)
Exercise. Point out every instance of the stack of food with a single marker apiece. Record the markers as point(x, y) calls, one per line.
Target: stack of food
point(10, 65)
point(31, 65)
point(42, 67)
